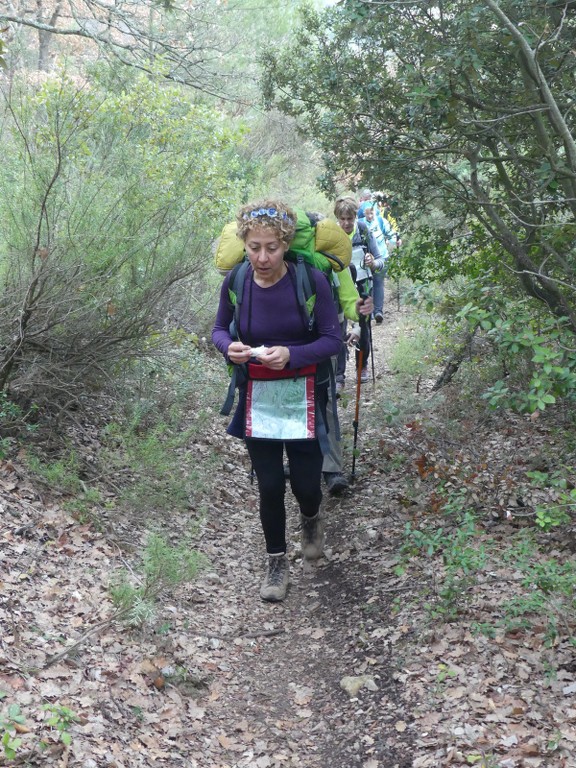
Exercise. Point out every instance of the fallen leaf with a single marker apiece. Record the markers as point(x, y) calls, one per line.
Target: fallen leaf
point(21, 728)
point(531, 750)
point(456, 693)
point(225, 741)
point(303, 696)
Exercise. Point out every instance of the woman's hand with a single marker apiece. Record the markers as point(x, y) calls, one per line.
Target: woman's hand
point(353, 337)
point(369, 261)
point(365, 306)
point(276, 358)
point(239, 353)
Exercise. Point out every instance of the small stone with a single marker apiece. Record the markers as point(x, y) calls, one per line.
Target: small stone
point(353, 685)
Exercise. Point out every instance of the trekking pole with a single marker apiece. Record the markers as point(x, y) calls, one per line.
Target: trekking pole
point(364, 295)
point(371, 350)
point(397, 284)
point(360, 362)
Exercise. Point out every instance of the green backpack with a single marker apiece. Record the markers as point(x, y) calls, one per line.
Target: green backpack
point(321, 243)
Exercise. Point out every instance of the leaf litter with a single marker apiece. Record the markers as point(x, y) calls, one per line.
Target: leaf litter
point(352, 670)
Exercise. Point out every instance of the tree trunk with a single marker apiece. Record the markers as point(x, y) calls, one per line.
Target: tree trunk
point(455, 361)
point(45, 38)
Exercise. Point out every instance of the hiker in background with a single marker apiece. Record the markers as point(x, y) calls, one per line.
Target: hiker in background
point(388, 222)
point(364, 198)
point(273, 338)
point(350, 308)
point(375, 226)
point(365, 260)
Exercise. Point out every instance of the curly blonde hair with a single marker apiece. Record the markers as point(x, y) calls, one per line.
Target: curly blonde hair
point(267, 214)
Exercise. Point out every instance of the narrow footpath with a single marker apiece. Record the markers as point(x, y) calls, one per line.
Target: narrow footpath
point(365, 665)
point(316, 680)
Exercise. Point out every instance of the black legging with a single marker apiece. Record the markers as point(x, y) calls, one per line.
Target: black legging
point(305, 458)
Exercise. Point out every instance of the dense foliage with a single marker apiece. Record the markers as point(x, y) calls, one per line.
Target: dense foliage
point(206, 45)
point(464, 109)
point(115, 183)
point(463, 106)
point(108, 201)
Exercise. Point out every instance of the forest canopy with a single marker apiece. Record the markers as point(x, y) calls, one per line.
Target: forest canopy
point(466, 107)
point(463, 111)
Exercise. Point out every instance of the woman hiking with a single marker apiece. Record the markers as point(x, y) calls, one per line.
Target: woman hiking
point(282, 405)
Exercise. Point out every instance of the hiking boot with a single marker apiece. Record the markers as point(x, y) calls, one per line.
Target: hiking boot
point(379, 317)
point(312, 537)
point(275, 584)
point(335, 482)
point(364, 377)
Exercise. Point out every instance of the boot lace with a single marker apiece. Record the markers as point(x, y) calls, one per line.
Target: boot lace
point(276, 569)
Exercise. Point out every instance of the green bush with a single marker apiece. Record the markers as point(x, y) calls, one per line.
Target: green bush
point(105, 217)
point(535, 349)
point(163, 406)
point(60, 474)
point(462, 558)
point(58, 724)
point(163, 567)
point(413, 355)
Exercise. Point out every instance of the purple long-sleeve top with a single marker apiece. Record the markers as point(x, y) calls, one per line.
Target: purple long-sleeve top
point(272, 316)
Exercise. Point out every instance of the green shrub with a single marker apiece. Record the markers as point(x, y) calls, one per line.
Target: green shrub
point(461, 556)
point(60, 475)
point(163, 568)
point(60, 719)
point(105, 218)
point(535, 349)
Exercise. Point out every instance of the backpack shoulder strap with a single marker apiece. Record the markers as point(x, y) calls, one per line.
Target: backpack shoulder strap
point(236, 282)
point(305, 291)
point(305, 286)
point(236, 293)
point(235, 296)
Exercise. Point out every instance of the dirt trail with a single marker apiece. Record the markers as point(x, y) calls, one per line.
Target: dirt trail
point(351, 671)
point(221, 680)
point(278, 698)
